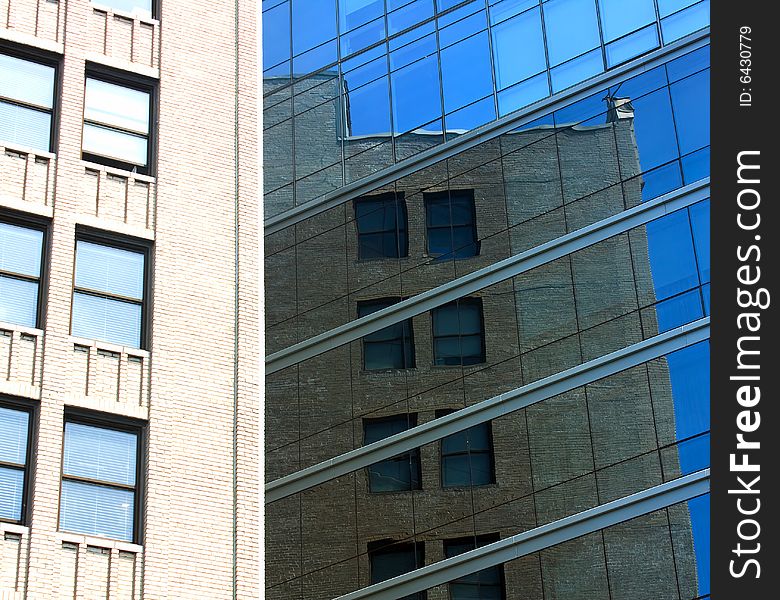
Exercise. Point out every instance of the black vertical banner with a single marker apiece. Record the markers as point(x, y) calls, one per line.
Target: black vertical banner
point(746, 258)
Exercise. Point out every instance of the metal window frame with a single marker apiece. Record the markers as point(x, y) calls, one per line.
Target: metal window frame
point(115, 240)
point(49, 59)
point(113, 422)
point(401, 218)
point(467, 301)
point(133, 81)
point(431, 197)
point(11, 403)
point(42, 224)
point(467, 452)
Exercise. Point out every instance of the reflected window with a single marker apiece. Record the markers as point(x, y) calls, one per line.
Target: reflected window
point(116, 124)
point(21, 257)
point(381, 226)
point(451, 224)
point(388, 561)
point(99, 480)
point(391, 347)
point(14, 458)
point(26, 102)
point(108, 296)
point(467, 456)
point(487, 584)
point(459, 333)
point(400, 473)
point(571, 28)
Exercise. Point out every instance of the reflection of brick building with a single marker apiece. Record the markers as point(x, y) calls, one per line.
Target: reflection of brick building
point(528, 187)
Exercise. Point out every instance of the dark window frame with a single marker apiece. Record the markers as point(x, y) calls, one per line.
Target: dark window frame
point(32, 418)
point(483, 349)
point(477, 542)
point(410, 361)
point(116, 423)
point(401, 233)
point(49, 59)
point(430, 198)
point(115, 240)
point(43, 225)
point(380, 547)
point(490, 452)
point(409, 456)
point(133, 81)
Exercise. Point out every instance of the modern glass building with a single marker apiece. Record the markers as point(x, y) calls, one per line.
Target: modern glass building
point(487, 299)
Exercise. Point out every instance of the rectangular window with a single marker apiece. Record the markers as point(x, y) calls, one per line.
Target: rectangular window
point(459, 333)
point(451, 222)
point(391, 347)
point(467, 456)
point(116, 123)
point(100, 472)
point(388, 561)
point(21, 259)
point(109, 292)
point(487, 584)
point(14, 458)
point(400, 473)
point(381, 225)
point(26, 102)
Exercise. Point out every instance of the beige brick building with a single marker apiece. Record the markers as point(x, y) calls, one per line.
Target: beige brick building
point(186, 389)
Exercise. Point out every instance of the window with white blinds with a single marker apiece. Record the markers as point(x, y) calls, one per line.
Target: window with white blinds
point(21, 257)
point(26, 102)
point(99, 481)
point(14, 439)
point(108, 296)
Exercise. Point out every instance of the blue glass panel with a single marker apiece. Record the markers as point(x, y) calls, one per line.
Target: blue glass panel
point(518, 49)
point(419, 49)
point(690, 374)
point(523, 94)
point(501, 11)
point(11, 491)
point(688, 64)
point(678, 310)
point(416, 97)
point(312, 24)
point(572, 28)
point(667, 7)
point(462, 29)
point(108, 269)
point(632, 45)
point(577, 70)
point(14, 425)
point(369, 109)
point(705, 294)
point(654, 129)
point(18, 301)
point(26, 81)
point(700, 223)
point(20, 249)
point(96, 510)
point(699, 509)
point(696, 166)
point(640, 85)
point(106, 319)
point(409, 15)
point(25, 127)
point(690, 100)
point(466, 72)
point(661, 180)
point(619, 17)
point(686, 21)
point(353, 13)
point(672, 261)
point(459, 16)
point(472, 116)
point(412, 35)
point(100, 453)
point(315, 59)
point(364, 36)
